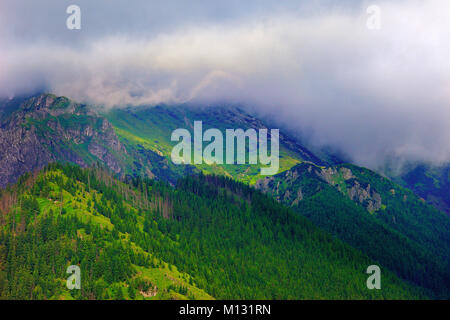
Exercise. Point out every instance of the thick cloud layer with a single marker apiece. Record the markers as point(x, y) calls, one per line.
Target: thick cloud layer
point(373, 94)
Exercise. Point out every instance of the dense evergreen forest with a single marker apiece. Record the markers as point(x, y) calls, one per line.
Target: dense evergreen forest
point(208, 237)
point(404, 235)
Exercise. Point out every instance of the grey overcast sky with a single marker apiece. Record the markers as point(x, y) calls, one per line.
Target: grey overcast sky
point(313, 65)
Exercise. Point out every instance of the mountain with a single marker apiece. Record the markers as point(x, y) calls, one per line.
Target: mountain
point(46, 128)
point(132, 141)
point(371, 218)
point(371, 213)
point(431, 182)
point(208, 237)
point(151, 127)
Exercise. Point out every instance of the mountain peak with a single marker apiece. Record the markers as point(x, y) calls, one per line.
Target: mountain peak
point(54, 105)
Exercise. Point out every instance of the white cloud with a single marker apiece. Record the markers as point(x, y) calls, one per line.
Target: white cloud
point(372, 94)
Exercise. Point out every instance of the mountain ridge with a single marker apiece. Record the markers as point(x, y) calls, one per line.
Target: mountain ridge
point(369, 211)
point(344, 200)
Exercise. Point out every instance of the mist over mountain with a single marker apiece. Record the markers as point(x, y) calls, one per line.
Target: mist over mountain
point(315, 68)
point(47, 140)
point(353, 96)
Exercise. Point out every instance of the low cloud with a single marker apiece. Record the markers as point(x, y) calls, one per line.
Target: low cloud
point(374, 95)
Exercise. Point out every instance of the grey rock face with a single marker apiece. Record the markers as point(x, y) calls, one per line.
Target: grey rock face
point(327, 174)
point(47, 128)
point(370, 198)
point(343, 179)
point(21, 152)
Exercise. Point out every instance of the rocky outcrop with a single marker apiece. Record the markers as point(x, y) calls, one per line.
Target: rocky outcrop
point(327, 174)
point(298, 198)
point(365, 196)
point(265, 185)
point(21, 152)
point(47, 128)
point(346, 173)
point(306, 179)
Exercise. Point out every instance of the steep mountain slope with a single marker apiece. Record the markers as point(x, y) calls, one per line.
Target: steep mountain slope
point(46, 128)
point(51, 220)
point(151, 128)
point(132, 141)
point(370, 213)
point(218, 236)
point(432, 183)
point(373, 214)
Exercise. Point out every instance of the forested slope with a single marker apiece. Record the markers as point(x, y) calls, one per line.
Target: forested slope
point(373, 214)
point(209, 236)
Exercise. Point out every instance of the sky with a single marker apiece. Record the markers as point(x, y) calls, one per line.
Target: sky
point(313, 66)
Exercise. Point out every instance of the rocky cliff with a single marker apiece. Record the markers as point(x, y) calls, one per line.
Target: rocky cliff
point(291, 186)
point(47, 128)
